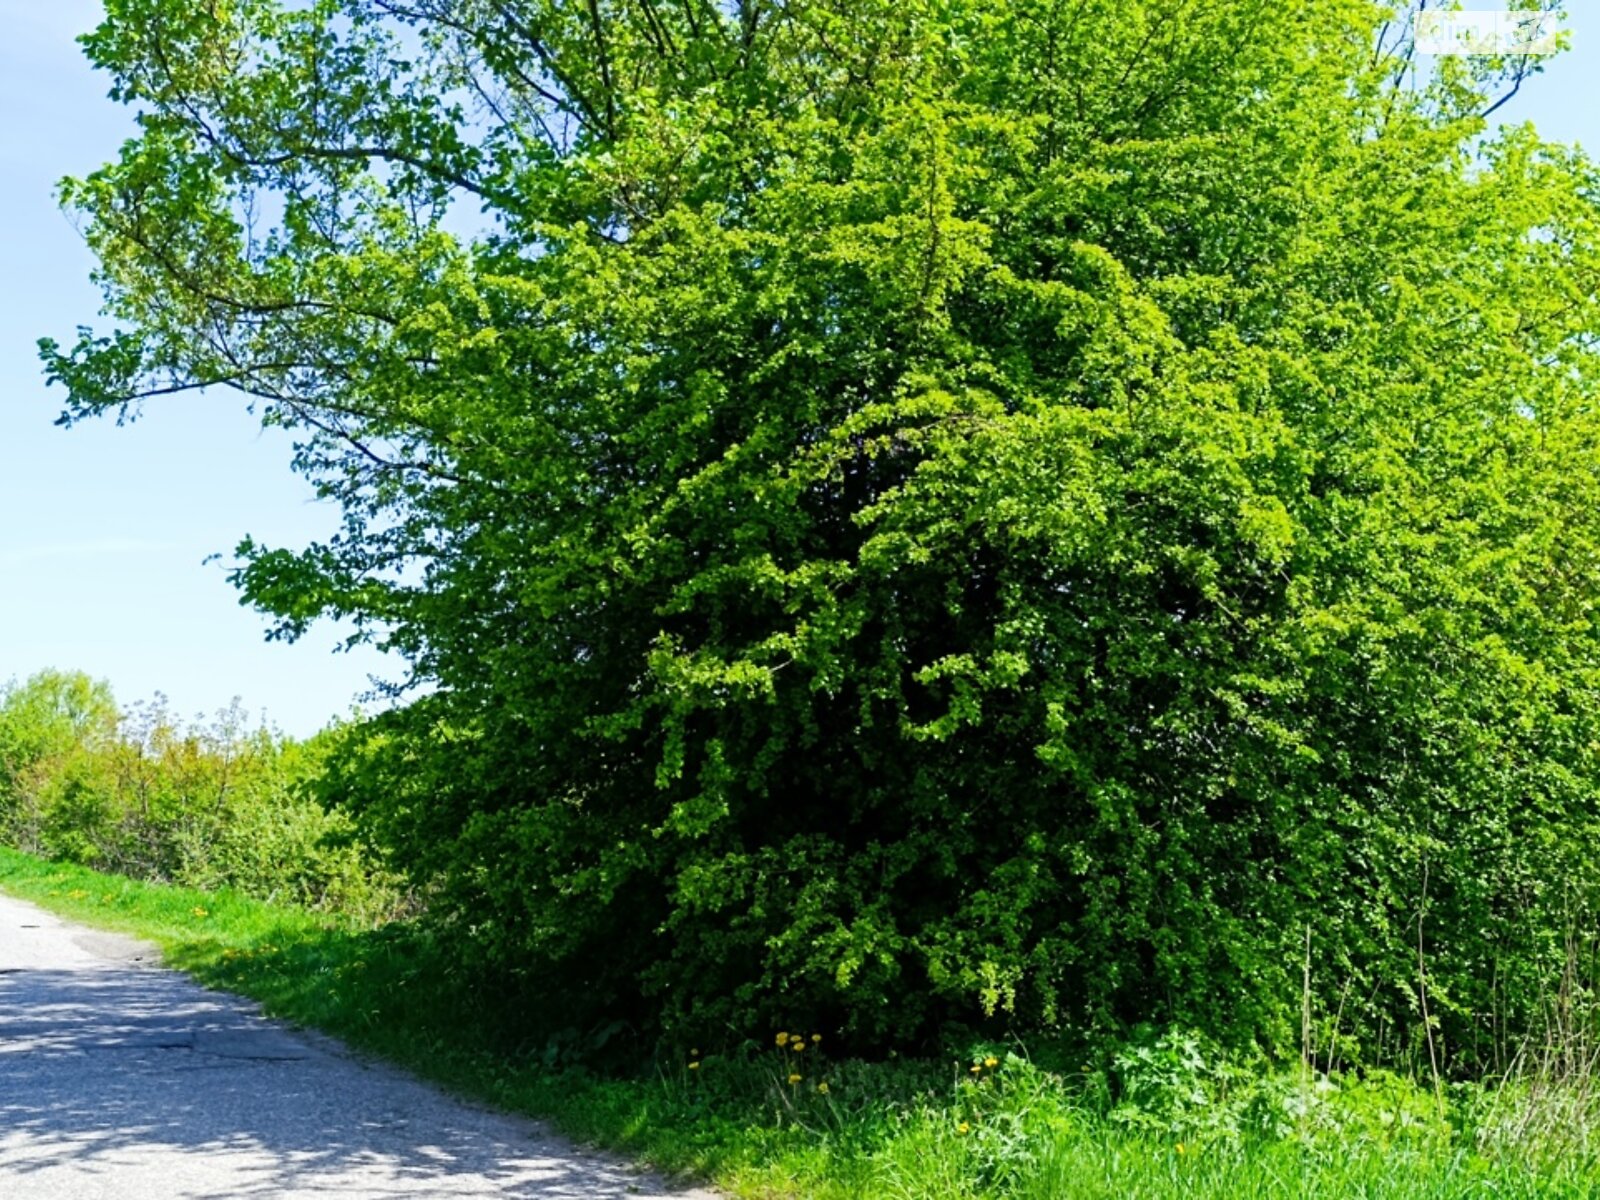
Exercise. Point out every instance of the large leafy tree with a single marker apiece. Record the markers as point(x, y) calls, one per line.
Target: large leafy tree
point(911, 510)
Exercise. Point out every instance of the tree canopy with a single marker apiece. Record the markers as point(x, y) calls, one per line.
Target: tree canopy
point(911, 511)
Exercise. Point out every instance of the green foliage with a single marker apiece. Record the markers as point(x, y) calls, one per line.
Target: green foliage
point(910, 1129)
point(51, 728)
point(146, 796)
point(1162, 1081)
point(914, 512)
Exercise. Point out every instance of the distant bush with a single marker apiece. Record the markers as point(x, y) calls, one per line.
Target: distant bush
point(143, 794)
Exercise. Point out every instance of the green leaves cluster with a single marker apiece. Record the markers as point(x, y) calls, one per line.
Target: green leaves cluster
point(142, 794)
point(912, 512)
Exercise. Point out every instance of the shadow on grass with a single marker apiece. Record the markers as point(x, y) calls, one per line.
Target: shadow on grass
point(903, 1129)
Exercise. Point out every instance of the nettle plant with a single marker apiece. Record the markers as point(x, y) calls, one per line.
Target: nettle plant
point(911, 512)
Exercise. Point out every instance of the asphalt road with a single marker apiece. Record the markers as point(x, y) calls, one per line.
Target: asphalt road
point(122, 1080)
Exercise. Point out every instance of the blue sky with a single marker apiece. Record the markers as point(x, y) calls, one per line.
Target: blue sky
point(103, 531)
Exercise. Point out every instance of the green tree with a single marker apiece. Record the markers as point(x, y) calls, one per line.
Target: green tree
point(911, 511)
point(51, 727)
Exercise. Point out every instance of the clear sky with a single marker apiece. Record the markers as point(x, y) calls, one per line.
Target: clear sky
point(103, 531)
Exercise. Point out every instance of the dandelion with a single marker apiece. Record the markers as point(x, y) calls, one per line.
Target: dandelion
point(991, 1062)
point(1180, 1147)
point(198, 911)
point(797, 1046)
point(694, 1054)
point(976, 1068)
point(816, 1037)
point(783, 1039)
point(963, 1129)
point(694, 1066)
point(795, 1078)
point(823, 1087)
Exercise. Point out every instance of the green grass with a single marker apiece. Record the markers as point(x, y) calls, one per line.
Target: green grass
point(889, 1131)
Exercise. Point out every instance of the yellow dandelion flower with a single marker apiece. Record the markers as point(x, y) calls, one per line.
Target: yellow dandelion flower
point(783, 1039)
point(797, 1046)
point(963, 1128)
point(823, 1087)
point(975, 1068)
point(199, 912)
point(1180, 1147)
point(694, 1066)
point(991, 1062)
point(694, 1054)
point(816, 1037)
point(795, 1078)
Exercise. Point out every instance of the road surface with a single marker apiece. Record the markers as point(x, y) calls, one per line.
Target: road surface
point(122, 1080)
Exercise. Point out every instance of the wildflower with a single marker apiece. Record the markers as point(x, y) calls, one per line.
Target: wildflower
point(991, 1062)
point(797, 1046)
point(199, 912)
point(694, 1066)
point(694, 1054)
point(823, 1087)
point(795, 1078)
point(783, 1039)
point(816, 1037)
point(1180, 1147)
point(963, 1129)
point(976, 1068)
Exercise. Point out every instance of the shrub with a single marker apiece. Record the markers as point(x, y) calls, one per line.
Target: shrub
point(913, 513)
point(147, 796)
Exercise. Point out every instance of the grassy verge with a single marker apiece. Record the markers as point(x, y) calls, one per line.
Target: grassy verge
point(763, 1121)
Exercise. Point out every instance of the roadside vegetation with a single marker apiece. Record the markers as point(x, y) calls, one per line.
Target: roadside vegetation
point(143, 793)
point(767, 1114)
point(900, 530)
point(1061, 534)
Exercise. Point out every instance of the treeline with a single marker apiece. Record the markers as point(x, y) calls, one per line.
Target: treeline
point(138, 791)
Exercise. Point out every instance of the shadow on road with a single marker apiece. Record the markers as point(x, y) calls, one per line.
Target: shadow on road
point(113, 1068)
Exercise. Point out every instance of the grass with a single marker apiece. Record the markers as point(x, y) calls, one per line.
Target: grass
point(891, 1131)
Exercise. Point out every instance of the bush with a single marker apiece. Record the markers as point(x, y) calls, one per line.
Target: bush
point(915, 514)
point(145, 796)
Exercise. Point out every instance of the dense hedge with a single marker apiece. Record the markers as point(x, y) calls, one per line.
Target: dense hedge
point(915, 512)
